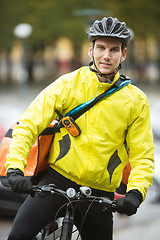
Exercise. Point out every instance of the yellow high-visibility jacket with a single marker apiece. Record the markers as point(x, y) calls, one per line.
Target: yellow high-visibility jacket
point(97, 157)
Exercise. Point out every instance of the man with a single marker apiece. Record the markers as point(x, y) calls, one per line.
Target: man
point(96, 158)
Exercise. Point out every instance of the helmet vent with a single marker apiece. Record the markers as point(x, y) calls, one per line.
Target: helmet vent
point(108, 25)
point(116, 28)
point(100, 26)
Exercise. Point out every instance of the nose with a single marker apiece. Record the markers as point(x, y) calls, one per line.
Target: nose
point(107, 55)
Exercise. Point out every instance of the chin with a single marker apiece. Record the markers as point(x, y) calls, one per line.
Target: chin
point(106, 72)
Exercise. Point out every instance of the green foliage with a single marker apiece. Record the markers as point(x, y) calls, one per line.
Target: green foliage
point(53, 18)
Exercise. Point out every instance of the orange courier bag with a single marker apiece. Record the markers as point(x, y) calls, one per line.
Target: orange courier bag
point(38, 156)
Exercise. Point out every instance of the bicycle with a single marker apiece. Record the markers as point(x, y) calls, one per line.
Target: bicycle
point(64, 232)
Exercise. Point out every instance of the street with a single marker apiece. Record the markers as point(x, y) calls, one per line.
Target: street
point(142, 226)
point(5, 226)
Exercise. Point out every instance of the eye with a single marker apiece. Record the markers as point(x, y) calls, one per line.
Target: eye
point(115, 49)
point(101, 47)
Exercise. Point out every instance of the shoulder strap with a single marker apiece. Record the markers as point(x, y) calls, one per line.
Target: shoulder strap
point(81, 109)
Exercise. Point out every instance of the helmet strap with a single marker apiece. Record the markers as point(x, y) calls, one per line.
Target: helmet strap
point(96, 70)
point(101, 74)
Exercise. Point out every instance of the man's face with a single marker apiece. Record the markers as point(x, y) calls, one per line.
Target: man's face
point(107, 54)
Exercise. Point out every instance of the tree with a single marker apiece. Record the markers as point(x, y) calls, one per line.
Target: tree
point(51, 19)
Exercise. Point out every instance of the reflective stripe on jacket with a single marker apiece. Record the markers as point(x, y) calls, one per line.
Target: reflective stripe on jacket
point(98, 156)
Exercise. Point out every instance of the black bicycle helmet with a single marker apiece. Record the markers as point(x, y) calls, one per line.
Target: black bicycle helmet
point(109, 27)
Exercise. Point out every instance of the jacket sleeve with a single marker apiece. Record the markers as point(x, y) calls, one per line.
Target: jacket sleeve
point(141, 148)
point(36, 118)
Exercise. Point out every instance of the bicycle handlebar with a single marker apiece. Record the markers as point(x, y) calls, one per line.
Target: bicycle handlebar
point(83, 194)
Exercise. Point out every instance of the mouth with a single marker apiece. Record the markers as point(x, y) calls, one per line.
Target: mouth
point(106, 65)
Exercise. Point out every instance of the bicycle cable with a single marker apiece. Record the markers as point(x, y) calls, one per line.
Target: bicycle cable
point(85, 216)
point(65, 204)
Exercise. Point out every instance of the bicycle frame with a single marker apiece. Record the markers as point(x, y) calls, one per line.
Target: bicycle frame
point(65, 232)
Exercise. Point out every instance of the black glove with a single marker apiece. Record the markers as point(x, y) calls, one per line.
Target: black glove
point(129, 204)
point(18, 182)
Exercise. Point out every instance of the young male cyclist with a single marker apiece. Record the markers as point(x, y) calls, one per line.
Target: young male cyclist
point(96, 158)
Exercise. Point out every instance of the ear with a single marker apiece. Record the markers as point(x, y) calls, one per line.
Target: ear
point(90, 51)
point(124, 54)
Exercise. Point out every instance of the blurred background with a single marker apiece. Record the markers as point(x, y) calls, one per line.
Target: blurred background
point(53, 39)
point(41, 40)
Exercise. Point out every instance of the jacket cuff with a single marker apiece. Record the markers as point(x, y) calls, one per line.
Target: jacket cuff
point(136, 193)
point(16, 171)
